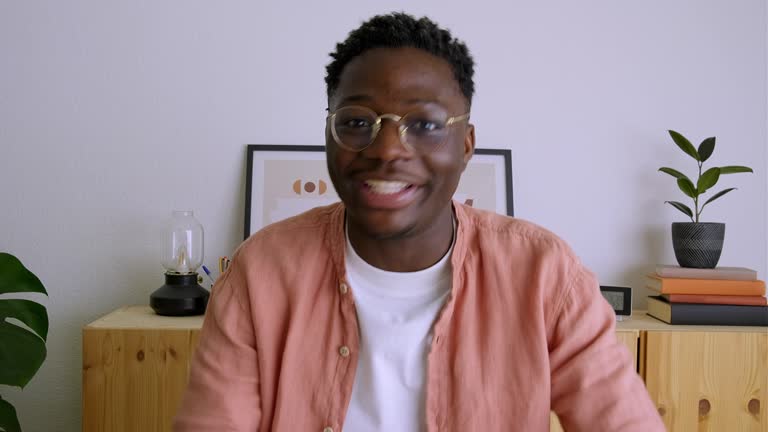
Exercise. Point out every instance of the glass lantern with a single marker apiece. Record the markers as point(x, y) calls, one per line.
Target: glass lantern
point(182, 255)
point(183, 245)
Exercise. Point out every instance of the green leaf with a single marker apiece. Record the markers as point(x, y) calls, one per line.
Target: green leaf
point(682, 207)
point(673, 172)
point(8, 420)
point(30, 313)
point(734, 169)
point(716, 196)
point(14, 277)
point(21, 355)
point(684, 144)
point(706, 148)
point(708, 179)
point(687, 187)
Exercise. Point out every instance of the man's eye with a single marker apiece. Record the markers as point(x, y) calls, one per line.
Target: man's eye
point(356, 123)
point(425, 126)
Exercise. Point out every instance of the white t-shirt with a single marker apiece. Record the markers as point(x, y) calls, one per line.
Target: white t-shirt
point(395, 312)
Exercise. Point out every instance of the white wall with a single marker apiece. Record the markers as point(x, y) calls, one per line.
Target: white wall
point(114, 113)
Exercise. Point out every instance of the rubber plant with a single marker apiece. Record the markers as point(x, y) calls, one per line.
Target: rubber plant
point(705, 180)
point(22, 350)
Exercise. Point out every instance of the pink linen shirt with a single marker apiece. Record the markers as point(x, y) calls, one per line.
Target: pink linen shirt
point(524, 331)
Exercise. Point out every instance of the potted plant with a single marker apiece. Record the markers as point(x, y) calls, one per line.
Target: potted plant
point(22, 351)
point(698, 244)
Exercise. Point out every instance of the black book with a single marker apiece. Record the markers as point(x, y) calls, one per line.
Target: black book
point(707, 314)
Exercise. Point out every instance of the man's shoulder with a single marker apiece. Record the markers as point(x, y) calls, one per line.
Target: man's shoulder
point(512, 232)
point(295, 232)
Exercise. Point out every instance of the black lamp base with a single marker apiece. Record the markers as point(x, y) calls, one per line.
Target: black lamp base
point(180, 296)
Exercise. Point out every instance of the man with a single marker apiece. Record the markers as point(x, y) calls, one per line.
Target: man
point(400, 309)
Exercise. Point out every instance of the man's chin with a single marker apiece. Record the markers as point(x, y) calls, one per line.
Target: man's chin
point(383, 228)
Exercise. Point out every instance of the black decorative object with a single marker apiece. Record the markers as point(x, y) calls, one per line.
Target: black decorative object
point(698, 244)
point(180, 296)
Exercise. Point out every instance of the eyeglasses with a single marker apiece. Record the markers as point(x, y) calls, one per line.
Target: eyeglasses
point(424, 130)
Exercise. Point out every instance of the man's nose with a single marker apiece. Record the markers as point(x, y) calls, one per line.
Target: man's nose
point(388, 144)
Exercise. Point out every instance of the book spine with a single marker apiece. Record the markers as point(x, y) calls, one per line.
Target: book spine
point(708, 287)
point(699, 314)
point(686, 273)
point(717, 299)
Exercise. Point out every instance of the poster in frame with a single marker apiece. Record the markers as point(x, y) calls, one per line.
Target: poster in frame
point(286, 180)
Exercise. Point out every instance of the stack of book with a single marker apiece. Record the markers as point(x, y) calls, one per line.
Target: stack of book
point(719, 296)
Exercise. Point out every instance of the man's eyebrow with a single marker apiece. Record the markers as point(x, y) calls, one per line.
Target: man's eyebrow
point(423, 101)
point(356, 98)
point(366, 98)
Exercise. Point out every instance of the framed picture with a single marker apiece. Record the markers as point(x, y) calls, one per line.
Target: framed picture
point(620, 299)
point(286, 180)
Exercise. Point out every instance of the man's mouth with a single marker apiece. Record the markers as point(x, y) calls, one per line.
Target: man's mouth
point(385, 187)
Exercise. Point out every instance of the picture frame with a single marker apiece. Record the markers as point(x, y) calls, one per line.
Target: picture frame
point(620, 299)
point(286, 180)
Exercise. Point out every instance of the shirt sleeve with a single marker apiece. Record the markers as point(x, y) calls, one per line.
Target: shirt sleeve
point(594, 386)
point(223, 390)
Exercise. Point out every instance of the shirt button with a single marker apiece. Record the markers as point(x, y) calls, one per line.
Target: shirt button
point(344, 351)
point(343, 288)
point(328, 429)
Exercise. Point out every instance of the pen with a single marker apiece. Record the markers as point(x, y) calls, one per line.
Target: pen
point(208, 272)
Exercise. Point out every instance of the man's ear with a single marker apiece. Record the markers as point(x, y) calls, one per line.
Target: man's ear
point(469, 143)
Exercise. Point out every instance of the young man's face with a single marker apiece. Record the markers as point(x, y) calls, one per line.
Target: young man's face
point(391, 190)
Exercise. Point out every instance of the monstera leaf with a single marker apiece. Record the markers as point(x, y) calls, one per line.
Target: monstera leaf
point(22, 348)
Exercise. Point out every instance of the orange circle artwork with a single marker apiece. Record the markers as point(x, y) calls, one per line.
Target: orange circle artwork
point(309, 187)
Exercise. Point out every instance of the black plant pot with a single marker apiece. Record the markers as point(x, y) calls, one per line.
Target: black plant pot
point(698, 244)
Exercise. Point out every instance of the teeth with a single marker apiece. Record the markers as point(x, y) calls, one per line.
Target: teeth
point(386, 187)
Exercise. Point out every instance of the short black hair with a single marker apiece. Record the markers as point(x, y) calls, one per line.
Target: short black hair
point(398, 30)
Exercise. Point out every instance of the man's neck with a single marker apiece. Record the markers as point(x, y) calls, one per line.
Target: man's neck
point(407, 253)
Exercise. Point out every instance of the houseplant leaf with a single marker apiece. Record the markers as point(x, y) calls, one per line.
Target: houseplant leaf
point(14, 277)
point(735, 169)
point(32, 314)
point(687, 187)
point(716, 196)
point(8, 420)
point(22, 351)
point(682, 207)
point(673, 172)
point(706, 148)
point(684, 144)
point(21, 355)
point(708, 179)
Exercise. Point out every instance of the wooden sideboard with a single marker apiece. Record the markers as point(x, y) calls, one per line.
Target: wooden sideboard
point(702, 378)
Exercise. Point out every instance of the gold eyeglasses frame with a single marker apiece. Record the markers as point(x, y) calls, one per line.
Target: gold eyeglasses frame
point(401, 128)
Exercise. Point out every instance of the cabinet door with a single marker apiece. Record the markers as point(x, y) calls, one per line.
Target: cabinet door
point(629, 339)
point(708, 381)
point(133, 380)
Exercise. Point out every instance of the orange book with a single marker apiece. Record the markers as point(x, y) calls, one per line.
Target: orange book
point(705, 286)
point(716, 299)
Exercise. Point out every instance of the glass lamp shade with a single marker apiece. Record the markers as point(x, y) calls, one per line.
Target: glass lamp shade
point(183, 244)
point(182, 255)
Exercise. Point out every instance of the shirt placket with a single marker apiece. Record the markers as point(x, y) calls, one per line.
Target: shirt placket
point(345, 353)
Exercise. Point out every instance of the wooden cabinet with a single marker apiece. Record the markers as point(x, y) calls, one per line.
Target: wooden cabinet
point(708, 381)
point(135, 369)
point(701, 378)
